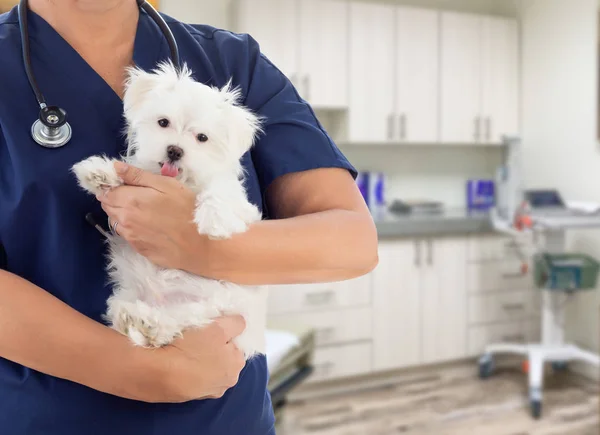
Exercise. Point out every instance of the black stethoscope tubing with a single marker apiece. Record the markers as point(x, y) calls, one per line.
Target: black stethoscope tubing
point(52, 130)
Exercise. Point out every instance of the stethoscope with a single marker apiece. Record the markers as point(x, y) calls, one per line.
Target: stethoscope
point(52, 130)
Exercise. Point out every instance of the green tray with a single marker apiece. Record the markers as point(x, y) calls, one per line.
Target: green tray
point(566, 272)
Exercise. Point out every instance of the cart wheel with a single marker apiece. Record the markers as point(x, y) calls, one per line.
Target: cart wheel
point(486, 367)
point(536, 409)
point(560, 366)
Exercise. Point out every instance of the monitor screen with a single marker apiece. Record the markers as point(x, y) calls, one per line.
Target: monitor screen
point(544, 199)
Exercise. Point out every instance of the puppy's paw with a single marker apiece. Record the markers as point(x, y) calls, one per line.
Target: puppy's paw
point(218, 220)
point(144, 325)
point(97, 174)
point(249, 213)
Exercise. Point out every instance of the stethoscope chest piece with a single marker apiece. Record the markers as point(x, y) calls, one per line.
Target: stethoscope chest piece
point(51, 130)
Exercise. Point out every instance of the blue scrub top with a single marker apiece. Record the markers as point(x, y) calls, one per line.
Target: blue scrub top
point(48, 242)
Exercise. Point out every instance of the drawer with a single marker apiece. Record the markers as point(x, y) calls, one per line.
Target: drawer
point(487, 248)
point(341, 361)
point(504, 306)
point(502, 275)
point(483, 249)
point(333, 327)
point(319, 297)
point(513, 332)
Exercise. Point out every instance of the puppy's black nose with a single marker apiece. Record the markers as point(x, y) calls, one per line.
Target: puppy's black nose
point(174, 153)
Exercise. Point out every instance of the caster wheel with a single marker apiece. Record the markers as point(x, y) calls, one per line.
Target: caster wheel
point(486, 367)
point(560, 366)
point(536, 409)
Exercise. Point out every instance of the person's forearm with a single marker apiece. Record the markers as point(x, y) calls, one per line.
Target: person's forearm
point(40, 332)
point(328, 246)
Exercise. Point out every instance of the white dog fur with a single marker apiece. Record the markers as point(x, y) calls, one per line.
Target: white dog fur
point(150, 304)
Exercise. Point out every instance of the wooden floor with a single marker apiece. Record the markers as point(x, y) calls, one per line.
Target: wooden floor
point(452, 401)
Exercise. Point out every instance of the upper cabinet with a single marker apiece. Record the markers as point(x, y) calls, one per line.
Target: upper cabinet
point(398, 74)
point(274, 25)
point(307, 40)
point(479, 78)
point(372, 115)
point(323, 47)
point(393, 74)
point(417, 74)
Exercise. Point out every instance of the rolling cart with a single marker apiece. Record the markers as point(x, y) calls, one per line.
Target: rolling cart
point(538, 227)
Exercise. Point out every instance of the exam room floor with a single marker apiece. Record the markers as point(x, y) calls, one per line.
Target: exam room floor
point(452, 401)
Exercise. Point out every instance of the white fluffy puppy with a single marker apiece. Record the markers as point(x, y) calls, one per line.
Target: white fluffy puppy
point(184, 129)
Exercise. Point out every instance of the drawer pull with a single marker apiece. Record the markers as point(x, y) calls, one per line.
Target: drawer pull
point(325, 334)
point(515, 338)
point(321, 298)
point(323, 369)
point(513, 307)
point(514, 275)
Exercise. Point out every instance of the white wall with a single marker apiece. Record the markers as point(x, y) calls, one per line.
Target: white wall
point(560, 73)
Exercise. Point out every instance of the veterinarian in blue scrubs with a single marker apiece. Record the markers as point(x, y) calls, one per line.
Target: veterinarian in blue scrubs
point(62, 371)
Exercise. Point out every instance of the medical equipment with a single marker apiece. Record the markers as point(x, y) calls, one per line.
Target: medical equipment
point(538, 221)
point(52, 130)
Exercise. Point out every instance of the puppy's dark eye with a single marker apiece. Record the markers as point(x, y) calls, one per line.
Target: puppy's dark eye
point(202, 137)
point(163, 122)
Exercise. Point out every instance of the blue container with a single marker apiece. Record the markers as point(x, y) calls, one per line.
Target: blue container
point(372, 188)
point(481, 194)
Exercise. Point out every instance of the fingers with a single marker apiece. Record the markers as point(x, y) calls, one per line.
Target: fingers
point(232, 326)
point(137, 177)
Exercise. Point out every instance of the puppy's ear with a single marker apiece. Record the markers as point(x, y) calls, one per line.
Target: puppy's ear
point(244, 125)
point(137, 85)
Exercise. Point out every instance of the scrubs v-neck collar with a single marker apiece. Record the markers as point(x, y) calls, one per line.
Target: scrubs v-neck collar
point(54, 52)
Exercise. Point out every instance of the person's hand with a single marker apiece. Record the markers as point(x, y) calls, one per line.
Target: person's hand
point(154, 214)
point(205, 363)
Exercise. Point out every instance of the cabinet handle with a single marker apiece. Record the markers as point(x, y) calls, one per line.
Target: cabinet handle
point(323, 369)
point(390, 133)
point(417, 254)
point(477, 128)
point(518, 338)
point(403, 126)
point(488, 129)
point(430, 252)
point(512, 275)
point(325, 334)
point(320, 298)
point(515, 307)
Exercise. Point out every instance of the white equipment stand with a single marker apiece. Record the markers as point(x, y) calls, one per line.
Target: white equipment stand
point(551, 230)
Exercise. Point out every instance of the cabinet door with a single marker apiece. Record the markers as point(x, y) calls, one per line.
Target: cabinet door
point(396, 322)
point(417, 77)
point(444, 300)
point(274, 25)
point(324, 52)
point(500, 64)
point(461, 78)
point(372, 78)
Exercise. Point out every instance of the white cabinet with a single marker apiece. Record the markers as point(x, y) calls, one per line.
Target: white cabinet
point(420, 303)
point(443, 300)
point(372, 54)
point(323, 43)
point(479, 78)
point(417, 75)
point(500, 78)
point(396, 306)
point(461, 78)
point(393, 73)
point(274, 25)
point(307, 40)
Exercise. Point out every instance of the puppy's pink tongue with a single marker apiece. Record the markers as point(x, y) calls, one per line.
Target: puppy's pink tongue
point(169, 170)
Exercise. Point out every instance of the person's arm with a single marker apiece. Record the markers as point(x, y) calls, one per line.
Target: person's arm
point(40, 332)
point(322, 231)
